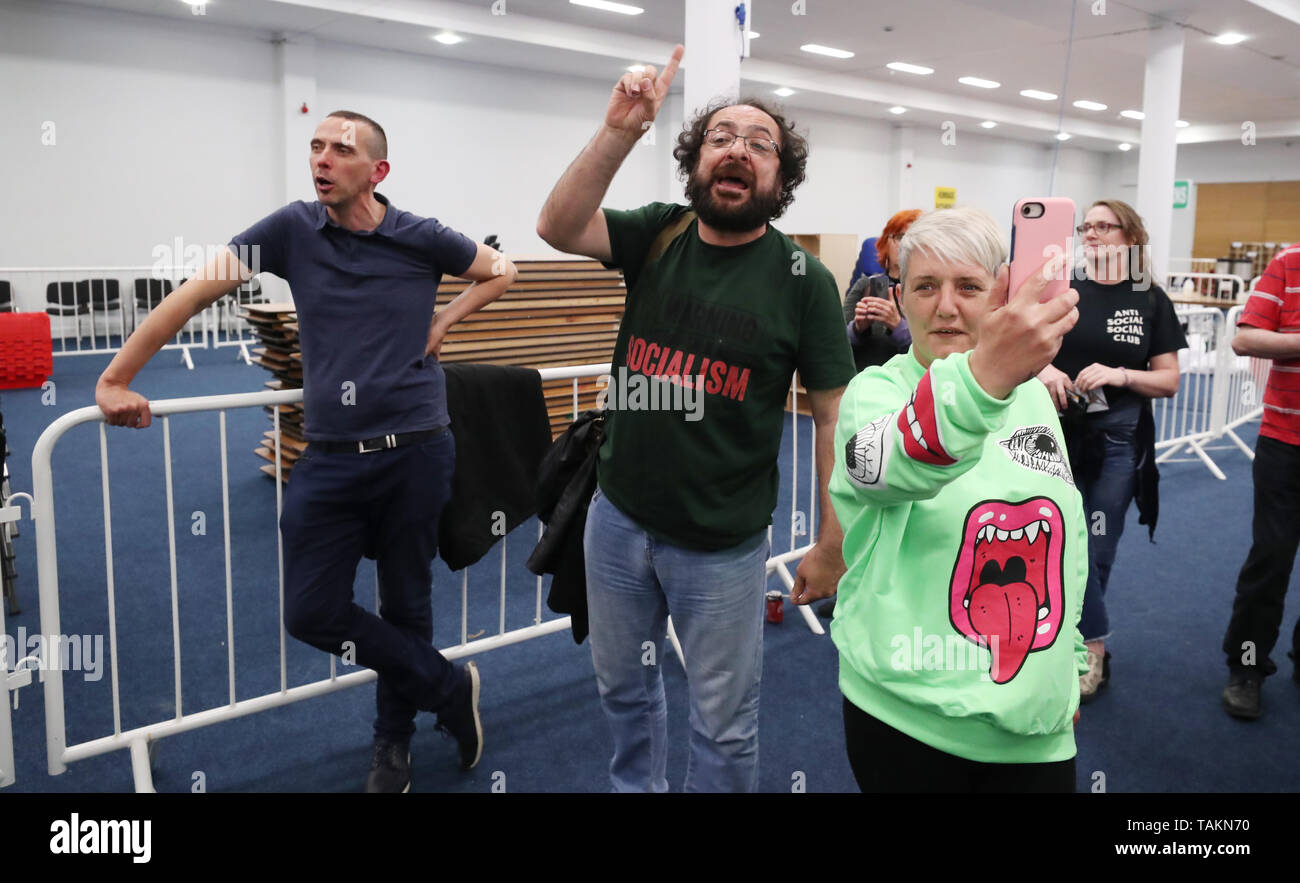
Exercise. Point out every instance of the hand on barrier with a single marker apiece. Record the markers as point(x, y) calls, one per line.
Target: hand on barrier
point(818, 575)
point(122, 406)
point(637, 97)
point(1021, 338)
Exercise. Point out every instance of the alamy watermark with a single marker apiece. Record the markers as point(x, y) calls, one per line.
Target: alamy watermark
point(83, 653)
point(633, 391)
point(170, 257)
point(951, 652)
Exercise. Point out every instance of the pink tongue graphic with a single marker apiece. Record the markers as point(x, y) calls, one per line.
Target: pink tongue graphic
point(1005, 614)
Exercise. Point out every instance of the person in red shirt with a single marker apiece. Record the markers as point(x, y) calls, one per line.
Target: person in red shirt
point(1269, 329)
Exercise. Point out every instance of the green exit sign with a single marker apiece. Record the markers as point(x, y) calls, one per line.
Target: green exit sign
point(1181, 192)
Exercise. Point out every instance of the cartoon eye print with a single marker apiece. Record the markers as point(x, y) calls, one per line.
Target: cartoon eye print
point(1036, 447)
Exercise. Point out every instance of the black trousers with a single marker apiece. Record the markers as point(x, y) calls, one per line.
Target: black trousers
point(386, 505)
point(1261, 587)
point(885, 760)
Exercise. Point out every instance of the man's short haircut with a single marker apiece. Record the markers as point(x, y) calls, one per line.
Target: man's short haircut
point(793, 153)
point(376, 140)
point(965, 235)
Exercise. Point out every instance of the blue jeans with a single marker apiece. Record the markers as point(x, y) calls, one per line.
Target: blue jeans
point(634, 582)
point(1109, 495)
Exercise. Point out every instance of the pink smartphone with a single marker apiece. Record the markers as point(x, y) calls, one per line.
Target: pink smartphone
point(1042, 228)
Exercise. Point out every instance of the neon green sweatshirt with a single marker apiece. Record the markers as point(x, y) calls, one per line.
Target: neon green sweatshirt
point(967, 552)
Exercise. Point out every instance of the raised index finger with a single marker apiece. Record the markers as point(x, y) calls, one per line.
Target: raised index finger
point(670, 70)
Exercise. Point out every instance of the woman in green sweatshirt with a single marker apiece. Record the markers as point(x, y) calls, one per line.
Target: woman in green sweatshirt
point(964, 535)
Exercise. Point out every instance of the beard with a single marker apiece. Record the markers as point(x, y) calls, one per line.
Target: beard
point(754, 211)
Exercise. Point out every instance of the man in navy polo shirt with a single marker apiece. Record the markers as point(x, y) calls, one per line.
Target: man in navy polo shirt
point(379, 466)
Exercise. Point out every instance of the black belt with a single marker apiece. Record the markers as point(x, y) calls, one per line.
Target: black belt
point(380, 443)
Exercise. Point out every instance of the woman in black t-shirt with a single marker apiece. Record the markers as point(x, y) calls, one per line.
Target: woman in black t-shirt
point(1122, 353)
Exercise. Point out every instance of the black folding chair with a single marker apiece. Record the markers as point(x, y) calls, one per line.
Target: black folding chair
point(63, 299)
point(148, 294)
point(104, 297)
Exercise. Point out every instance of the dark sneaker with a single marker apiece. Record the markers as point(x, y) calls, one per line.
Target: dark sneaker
point(390, 768)
point(461, 721)
point(1241, 697)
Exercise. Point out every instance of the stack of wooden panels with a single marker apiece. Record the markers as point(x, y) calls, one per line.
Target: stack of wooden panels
point(558, 313)
point(279, 353)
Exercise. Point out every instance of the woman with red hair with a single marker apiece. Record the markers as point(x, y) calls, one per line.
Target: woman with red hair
point(876, 328)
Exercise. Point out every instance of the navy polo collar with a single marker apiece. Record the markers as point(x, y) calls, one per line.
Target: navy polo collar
point(385, 226)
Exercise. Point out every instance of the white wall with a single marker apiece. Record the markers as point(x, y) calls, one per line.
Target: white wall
point(850, 163)
point(170, 128)
point(158, 132)
point(1225, 162)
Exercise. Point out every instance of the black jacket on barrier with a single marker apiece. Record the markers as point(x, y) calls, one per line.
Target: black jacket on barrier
point(565, 483)
point(498, 418)
point(1085, 444)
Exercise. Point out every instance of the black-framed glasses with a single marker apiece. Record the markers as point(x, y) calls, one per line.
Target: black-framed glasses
point(723, 139)
point(1102, 228)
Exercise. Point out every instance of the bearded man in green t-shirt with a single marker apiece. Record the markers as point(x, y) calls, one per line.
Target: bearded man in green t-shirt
point(721, 310)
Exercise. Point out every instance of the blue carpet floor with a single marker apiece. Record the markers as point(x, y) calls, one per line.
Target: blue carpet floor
point(1157, 728)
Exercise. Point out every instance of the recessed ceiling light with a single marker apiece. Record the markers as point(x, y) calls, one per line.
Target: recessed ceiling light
point(909, 68)
point(1035, 93)
point(202, 3)
point(976, 81)
point(606, 6)
point(1126, 146)
point(817, 49)
point(1229, 39)
point(447, 38)
point(636, 68)
point(1089, 105)
point(1182, 124)
point(753, 35)
point(988, 124)
point(1133, 114)
point(897, 109)
point(784, 92)
point(1062, 136)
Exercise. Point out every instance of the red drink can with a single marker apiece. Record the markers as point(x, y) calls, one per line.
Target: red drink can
point(775, 607)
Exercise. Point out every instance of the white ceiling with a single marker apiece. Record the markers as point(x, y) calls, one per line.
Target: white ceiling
point(1019, 43)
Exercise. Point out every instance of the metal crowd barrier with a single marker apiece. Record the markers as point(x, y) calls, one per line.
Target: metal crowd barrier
point(1218, 390)
point(1226, 287)
point(94, 309)
point(137, 740)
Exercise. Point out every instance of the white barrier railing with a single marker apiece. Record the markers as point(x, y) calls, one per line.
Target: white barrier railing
point(1226, 287)
point(228, 326)
point(137, 739)
point(93, 310)
point(1246, 378)
point(1218, 390)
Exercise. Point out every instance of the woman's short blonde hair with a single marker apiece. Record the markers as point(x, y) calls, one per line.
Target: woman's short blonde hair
point(964, 235)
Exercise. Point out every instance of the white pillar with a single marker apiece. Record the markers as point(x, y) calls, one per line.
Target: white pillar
point(713, 48)
point(295, 66)
point(1161, 91)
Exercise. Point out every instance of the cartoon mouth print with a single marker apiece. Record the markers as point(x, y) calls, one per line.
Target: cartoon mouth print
point(1006, 591)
